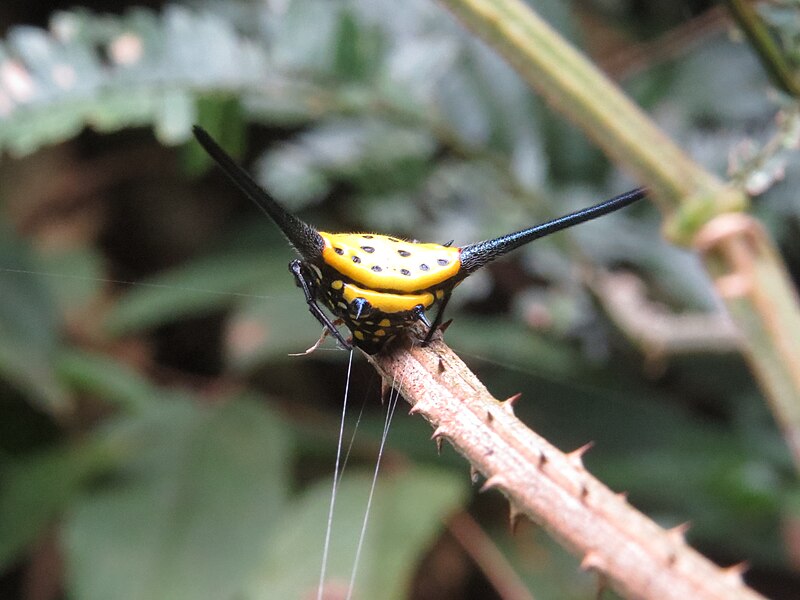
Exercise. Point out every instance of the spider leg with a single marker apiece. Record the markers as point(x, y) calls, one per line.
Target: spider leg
point(438, 319)
point(318, 343)
point(296, 268)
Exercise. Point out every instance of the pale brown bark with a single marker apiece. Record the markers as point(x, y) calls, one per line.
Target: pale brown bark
point(637, 557)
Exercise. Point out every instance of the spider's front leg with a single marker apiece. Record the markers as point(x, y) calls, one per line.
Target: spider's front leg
point(309, 291)
point(437, 320)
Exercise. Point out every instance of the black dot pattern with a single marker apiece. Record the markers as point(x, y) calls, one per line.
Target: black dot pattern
point(390, 263)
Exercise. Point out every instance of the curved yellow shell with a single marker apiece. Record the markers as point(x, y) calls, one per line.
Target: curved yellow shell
point(381, 262)
point(386, 302)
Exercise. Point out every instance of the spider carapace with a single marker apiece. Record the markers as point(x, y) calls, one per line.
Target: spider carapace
point(378, 285)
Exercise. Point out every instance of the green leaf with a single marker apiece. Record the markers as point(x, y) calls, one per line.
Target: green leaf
point(408, 513)
point(73, 276)
point(198, 288)
point(357, 49)
point(174, 116)
point(36, 489)
point(106, 379)
point(220, 115)
point(500, 341)
point(141, 68)
point(28, 326)
point(547, 569)
point(192, 509)
point(31, 373)
point(27, 311)
point(373, 153)
point(260, 330)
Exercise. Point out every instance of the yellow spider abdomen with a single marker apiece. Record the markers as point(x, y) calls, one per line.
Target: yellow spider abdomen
point(381, 262)
point(387, 302)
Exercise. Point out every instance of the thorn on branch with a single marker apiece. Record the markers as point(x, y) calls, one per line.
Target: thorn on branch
point(592, 561)
point(495, 481)
point(735, 573)
point(678, 533)
point(584, 492)
point(576, 456)
point(672, 558)
point(419, 408)
point(438, 434)
point(508, 404)
point(474, 474)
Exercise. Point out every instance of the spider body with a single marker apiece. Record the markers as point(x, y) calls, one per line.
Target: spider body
point(378, 285)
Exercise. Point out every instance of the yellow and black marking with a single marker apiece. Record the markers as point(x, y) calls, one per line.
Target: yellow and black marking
point(381, 262)
point(378, 285)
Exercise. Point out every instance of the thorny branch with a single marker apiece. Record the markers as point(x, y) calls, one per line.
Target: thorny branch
point(637, 557)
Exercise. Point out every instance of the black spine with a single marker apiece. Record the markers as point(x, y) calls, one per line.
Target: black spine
point(474, 256)
point(301, 235)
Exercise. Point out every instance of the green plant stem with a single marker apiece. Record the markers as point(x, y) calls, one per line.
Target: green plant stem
point(576, 88)
point(759, 294)
point(689, 197)
point(773, 60)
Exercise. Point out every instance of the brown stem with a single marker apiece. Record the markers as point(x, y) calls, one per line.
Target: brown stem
point(489, 559)
point(656, 330)
point(638, 558)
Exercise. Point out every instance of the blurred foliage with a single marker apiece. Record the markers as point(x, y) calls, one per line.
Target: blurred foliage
point(152, 428)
